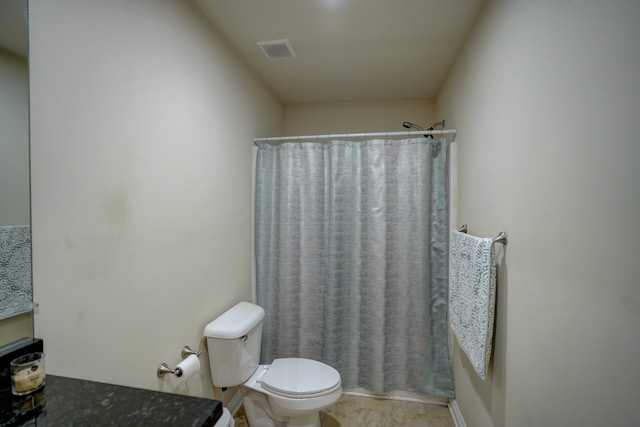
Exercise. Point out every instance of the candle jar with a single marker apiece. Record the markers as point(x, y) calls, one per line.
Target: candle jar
point(27, 373)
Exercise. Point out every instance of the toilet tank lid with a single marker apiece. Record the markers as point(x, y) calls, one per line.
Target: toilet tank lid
point(235, 322)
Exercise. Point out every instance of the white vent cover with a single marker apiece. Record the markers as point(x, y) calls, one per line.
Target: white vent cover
point(277, 49)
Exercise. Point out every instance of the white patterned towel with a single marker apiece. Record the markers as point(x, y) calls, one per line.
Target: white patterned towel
point(472, 296)
point(15, 269)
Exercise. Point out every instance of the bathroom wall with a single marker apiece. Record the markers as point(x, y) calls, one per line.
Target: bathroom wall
point(356, 117)
point(546, 100)
point(142, 123)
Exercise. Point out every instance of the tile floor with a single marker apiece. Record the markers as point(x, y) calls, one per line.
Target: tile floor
point(353, 411)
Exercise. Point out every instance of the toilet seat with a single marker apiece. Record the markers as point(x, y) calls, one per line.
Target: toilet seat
point(300, 378)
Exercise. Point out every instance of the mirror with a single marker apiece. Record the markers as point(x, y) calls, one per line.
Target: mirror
point(16, 294)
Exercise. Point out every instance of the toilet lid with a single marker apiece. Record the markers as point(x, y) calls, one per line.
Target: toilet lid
point(296, 376)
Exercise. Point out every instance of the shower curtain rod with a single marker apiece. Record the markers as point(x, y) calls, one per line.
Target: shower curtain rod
point(268, 139)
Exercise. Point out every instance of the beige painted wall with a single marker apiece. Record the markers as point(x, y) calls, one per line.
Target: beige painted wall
point(356, 117)
point(142, 127)
point(546, 99)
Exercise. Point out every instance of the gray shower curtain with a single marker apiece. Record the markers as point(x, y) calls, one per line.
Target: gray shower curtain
point(351, 260)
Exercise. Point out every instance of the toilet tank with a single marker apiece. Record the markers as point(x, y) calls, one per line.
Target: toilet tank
point(233, 341)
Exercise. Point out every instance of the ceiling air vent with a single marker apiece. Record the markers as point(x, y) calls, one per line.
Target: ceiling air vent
point(277, 49)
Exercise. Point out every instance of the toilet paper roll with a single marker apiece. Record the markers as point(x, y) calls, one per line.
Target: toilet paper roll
point(188, 367)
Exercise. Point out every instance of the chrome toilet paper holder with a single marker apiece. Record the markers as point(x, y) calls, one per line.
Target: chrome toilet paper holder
point(186, 352)
point(164, 369)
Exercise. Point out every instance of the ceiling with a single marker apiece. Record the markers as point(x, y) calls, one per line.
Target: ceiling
point(348, 50)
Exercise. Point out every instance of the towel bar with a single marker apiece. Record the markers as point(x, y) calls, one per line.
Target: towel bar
point(500, 238)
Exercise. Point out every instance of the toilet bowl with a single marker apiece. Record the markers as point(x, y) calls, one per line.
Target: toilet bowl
point(296, 386)
point(296, 390)
point(289, 392)
point(225, 420)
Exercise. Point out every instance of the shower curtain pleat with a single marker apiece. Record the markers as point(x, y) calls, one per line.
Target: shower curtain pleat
point(351, 263)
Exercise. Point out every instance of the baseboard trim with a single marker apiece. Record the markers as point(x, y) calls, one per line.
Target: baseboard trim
point(235, 403)
point(458, 420)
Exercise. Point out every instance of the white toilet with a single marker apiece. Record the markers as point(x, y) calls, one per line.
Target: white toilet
point(225, 420)
point(289, 392)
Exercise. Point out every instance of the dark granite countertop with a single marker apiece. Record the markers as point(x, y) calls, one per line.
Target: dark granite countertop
point(71, 402)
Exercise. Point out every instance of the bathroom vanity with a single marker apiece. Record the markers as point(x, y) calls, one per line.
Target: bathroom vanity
point(72, 402)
